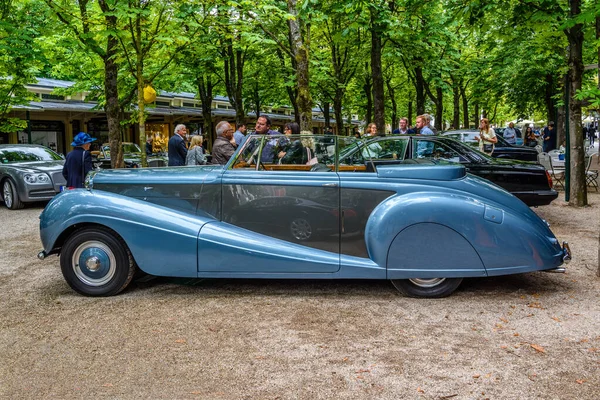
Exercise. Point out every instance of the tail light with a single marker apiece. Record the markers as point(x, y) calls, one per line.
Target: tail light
point(549, 179)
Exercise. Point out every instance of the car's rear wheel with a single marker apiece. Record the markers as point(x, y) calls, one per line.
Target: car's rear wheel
point(96, 262)
point(431, 287)
point(10, 195)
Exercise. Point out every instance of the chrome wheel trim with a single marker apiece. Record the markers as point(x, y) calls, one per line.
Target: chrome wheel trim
point(94, 263)
point(427, 283)
point(7, 194)
point(301, 229)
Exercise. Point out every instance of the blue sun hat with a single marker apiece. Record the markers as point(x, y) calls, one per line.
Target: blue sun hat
point(81, 139)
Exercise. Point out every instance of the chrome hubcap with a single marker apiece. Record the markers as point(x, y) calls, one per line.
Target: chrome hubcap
point(301, 229)
point(7, 192)
point(94, 263)
point(427, 283)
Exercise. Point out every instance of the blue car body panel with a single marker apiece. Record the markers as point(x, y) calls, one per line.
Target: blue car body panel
point(402, 221)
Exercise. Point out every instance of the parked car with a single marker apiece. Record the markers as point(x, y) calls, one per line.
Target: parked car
point(530, 182)
point(423, 225)
point(132, 157)
point(29, 173)
point(502, 149)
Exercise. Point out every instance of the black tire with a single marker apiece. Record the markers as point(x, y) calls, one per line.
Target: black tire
point(109, 266)
point(11, 196)
point(429, 288)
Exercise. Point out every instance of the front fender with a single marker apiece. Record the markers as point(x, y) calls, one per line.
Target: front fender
point(162, 241)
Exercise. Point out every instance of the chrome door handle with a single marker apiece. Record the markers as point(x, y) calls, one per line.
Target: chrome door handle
point(146, 188)
point(330, 184)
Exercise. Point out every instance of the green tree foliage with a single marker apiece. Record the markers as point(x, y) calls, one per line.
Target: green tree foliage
point(21, 59)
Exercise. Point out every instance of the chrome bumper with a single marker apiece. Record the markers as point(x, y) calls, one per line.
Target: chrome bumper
point(566, 257)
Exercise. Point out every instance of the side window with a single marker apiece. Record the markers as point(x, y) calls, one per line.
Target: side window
point(393, 149)
point(436, 151)
point(351, 155)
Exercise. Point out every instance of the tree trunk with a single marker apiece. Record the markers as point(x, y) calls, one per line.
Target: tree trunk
point(139, 75)
point(256, 99)
point(367, 89)
point(455, 106)
point(410, 112)
point(549, 92)
point(326, 115)
point(598, 61)
point(476, 115)
point(376, 72)
point(465, 106)
point(420, 88)
point(111, 91)
point(205, 90)
point(438, 100)
point(337, 109)
point(233, 67)
point(392, 96)
point(300, 51)
point(598, 40)
point(578, 188)
point(560, 123)
point(439, 109)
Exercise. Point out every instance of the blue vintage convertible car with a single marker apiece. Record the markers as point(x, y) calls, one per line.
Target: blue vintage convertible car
point(287, 207)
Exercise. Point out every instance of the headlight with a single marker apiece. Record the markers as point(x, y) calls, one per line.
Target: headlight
point(34, 179)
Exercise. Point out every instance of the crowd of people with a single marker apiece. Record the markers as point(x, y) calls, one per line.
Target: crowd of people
point(293, 151)
point(297, 151)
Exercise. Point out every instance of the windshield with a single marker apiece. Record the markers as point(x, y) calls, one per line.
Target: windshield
point(278, 150)
point(27, 154)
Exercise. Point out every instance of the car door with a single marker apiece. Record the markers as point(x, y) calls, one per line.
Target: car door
point(288, 213)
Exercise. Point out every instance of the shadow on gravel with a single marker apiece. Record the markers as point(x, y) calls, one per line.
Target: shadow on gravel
point(537, 282)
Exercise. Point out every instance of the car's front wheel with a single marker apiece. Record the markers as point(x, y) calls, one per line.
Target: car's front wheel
point(431, 287)
point(96, 262)
point(11, 196)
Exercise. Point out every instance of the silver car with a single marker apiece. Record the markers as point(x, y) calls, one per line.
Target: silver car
point(29, 173)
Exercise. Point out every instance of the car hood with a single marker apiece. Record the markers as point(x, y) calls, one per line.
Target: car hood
point(39, 166)
point(171, 175)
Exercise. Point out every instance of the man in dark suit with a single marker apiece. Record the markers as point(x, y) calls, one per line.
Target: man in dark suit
point(177, 149)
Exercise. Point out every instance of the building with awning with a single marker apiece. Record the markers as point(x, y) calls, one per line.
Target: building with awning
point(53, 119)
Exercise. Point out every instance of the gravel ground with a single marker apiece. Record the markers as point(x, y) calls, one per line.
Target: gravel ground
point(530, 336)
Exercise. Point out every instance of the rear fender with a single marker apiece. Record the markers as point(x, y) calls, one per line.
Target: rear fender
point(425, 220)
point(456, 235)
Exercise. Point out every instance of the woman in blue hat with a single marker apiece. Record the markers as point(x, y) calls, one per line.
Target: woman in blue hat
point(79, 161)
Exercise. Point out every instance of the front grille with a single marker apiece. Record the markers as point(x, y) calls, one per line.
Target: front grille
point(58, 180)
point(43, 193)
